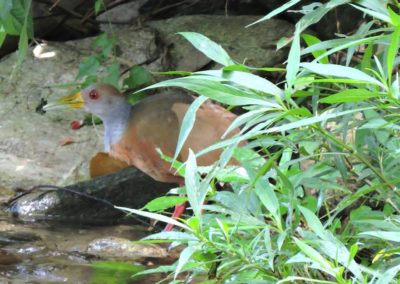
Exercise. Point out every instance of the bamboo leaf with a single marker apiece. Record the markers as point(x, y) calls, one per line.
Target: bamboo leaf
point(352, 95)
point(208, 47)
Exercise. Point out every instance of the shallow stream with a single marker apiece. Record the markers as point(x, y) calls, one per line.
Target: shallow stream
point(43, 252)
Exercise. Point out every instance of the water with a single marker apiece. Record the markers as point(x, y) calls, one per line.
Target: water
point(41, 252)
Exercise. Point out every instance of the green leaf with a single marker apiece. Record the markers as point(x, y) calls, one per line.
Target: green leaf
point(340, 44)
point(224, 228)
point(214, 90)
point(389, 275)
point(313, 222)
point(114, 272)
point(366, 60)
point(172, 235)
point(25, 34)
point(276, 12)
point(113, 75)
point(155, 216)
point(187, 123)
point(192, 184)
point(101, 40)
point(2, 35)
point(160, 269)
point(88, 66)
point(104, 42)
point(5, 8)
point(97, 6)
point(389, 236)
point(240, 68)
point(340, 72)
point(315, 15)
point(164, 202)
point(267, 196)
point(184, 258)
point(13, 16)
point(353, 252)
point(22, 45)
point(293, 59)
point(312, 120)
point(384, 16)
point(392, 52)
point(313, 254)
point(176, 165)
point(395, 18)
point(208, 47)
point(138, 76)
point(245, 79)
point(115, 265)
point(311, 40)
point(194, 223)
point(352, 95)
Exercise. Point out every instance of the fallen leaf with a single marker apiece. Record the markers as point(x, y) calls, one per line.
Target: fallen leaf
point(66, 142)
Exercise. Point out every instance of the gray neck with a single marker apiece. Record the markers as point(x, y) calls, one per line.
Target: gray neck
point(115, 124)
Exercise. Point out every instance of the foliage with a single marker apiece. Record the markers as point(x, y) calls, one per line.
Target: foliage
point(318, 199)
point(16, 19)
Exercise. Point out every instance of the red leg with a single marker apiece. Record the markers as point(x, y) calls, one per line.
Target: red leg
point(177, 213)
point(179, 209)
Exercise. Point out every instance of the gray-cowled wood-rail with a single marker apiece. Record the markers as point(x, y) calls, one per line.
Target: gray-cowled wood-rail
point(133, 133)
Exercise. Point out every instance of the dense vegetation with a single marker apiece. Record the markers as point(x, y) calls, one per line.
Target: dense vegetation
point(316, 198)
point(319, 200)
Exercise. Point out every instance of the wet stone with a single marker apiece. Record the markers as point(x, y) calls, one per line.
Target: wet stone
point(120, 248)
point(8, 237)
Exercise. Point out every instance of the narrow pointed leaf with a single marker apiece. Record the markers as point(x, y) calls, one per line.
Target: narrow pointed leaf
point(340, 72)
point(187, 124)
point(208, 47)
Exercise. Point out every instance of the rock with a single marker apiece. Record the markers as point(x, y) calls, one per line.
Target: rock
point(12, 236)
point(7, 258)
point(128, 187)
point(124, 249)
point(123, 15)
point(254, 46)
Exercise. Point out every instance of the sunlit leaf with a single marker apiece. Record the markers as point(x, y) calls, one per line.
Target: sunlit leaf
point(392, 52)
point(208, 47)
point(293, 59)
point(276, 11)
point(164, 202)
point(138, 76)
point(352, 95)
point(88, 66)
point(340, 72)
point(113, 75)
point(184, 258)
point(188, 123)
point(311, 40)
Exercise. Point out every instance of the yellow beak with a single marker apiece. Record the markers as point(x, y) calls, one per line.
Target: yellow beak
point(71, 101)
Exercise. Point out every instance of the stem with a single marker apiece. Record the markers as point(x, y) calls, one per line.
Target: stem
point(358, 156)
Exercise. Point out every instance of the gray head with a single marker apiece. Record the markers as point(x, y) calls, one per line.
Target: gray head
point(103, 100)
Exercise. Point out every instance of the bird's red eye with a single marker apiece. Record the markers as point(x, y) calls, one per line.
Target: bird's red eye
point(93, 94)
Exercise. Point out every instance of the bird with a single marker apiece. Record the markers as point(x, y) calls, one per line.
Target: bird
point(133, 133)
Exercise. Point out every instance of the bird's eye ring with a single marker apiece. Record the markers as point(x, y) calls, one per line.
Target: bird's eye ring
point(93, 94)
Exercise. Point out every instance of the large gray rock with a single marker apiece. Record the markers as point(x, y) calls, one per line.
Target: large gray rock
point(255, 46)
